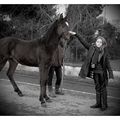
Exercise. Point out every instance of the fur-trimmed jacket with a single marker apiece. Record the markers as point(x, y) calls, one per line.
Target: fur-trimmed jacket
point(85, 69)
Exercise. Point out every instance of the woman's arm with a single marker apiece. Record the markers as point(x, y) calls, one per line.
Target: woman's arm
point(83, 41)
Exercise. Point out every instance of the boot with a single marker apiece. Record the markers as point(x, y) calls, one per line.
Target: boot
point(104, 101)
point(50, 90)
point(57, 90)
point(97, 105)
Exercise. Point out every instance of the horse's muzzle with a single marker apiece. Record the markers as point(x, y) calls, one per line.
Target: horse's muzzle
point(66, 35)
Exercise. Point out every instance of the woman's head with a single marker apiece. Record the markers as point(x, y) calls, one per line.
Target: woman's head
point(101, 42)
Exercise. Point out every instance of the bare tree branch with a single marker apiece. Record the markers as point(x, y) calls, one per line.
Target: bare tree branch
point(46, 14)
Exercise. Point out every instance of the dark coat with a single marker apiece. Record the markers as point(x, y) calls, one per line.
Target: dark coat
point(85, 69)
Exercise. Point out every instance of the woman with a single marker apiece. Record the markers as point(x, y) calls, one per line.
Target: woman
point(98, 64)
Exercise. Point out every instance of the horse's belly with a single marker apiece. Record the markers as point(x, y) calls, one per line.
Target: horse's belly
point(25, 56)
point(26, 60)
point(28, 63)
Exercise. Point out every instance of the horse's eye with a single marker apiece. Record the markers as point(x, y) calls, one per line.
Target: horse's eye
point(67, 24)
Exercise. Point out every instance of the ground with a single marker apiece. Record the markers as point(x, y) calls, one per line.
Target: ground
point(72, 103)
point(79, 94)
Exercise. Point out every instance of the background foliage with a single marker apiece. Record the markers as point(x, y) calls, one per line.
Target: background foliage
point(30, 22)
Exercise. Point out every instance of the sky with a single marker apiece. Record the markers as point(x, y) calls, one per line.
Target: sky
point(61, 8)
point(111, 11)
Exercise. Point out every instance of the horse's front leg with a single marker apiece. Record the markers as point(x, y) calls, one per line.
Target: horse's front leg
point(43, 83)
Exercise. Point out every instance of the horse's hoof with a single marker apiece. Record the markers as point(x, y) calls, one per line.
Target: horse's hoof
point(48, 100)
point(52, 95)
point(20, 94)
point(43, 105)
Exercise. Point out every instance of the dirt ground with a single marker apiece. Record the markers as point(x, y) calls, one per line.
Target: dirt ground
point(73, 103)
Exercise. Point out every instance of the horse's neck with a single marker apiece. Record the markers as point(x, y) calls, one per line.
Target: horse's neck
point(52, 42)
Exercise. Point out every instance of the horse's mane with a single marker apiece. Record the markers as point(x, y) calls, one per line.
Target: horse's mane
point(49, 32)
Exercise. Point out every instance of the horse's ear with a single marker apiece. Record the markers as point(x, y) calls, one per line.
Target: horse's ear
point(61, 16)
point(65, 18)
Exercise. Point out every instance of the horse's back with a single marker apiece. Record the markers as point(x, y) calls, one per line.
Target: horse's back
point(7, 41)
point(6, 44)
point(24, 51)
point(11, 42)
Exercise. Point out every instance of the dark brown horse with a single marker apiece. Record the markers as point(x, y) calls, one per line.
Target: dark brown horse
point(37, 53)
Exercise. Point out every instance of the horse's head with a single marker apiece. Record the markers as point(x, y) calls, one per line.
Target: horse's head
point(63, 27)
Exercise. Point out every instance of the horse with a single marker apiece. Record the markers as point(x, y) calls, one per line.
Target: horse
point(36, 53)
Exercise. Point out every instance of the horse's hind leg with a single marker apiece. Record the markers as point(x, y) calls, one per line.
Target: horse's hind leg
point(10, 72)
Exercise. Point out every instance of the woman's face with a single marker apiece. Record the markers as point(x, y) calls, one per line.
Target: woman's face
point(98, 43)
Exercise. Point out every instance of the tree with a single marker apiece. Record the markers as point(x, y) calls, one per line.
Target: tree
point(111, 33)
point(83, 20)
point(108, 32)
point(28, 21)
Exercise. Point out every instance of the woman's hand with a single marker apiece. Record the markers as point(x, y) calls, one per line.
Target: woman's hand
point(93, 66)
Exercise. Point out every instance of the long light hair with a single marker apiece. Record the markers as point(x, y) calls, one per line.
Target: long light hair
point(102, 50)
point(104, 42)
